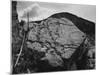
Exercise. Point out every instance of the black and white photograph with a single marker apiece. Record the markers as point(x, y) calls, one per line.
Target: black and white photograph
point(52, 37)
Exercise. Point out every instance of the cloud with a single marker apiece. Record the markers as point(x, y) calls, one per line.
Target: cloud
point(32, 10)
point(37, 12)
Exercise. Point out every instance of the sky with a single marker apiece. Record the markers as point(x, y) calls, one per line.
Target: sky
point(42, 10)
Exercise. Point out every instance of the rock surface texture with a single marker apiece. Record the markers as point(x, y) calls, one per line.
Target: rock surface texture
point(60, 42)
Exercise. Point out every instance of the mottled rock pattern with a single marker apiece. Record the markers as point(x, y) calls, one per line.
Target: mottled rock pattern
point(60, 42)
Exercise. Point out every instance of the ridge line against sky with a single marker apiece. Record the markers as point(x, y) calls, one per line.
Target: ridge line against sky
point(42, 10)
